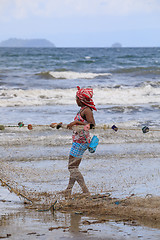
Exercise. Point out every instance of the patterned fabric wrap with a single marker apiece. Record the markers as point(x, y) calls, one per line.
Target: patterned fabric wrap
point(78, 149)
point(85, 96)
point(80, 136)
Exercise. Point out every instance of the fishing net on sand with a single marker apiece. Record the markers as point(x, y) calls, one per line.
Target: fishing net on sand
point(34, 165)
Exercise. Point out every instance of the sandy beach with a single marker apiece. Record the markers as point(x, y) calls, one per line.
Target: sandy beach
point(123, 177)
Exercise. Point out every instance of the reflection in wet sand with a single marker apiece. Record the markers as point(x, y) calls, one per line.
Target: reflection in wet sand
point(30, 224)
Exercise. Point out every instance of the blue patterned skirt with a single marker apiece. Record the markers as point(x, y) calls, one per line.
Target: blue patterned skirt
point(78, 149)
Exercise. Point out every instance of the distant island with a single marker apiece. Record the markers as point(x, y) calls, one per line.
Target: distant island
point(116, 45)
point(15, 42)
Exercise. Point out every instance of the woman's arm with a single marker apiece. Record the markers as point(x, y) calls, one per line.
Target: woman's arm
point(76, 122)
point(87, 114)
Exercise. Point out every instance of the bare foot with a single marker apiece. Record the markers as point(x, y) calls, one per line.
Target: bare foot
point(66, 193)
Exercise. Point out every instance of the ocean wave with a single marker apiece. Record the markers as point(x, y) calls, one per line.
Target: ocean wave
point(128, 56)
point(87, 57)
point(151, 83)
point(102, 96)
point(139, 70)
point(73, 75)
point(86, 60)
point(45, 75)
point(124, 109)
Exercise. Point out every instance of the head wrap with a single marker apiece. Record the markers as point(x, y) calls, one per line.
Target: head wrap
point(85, 96)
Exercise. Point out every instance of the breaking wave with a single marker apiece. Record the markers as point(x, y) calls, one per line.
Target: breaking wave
point(73, 75)
point(102, 96)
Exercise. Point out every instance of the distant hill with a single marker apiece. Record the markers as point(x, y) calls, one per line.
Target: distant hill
point(15, 42)
point(116, 45)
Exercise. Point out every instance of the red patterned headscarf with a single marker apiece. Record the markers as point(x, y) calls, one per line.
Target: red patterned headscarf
point(85, 96)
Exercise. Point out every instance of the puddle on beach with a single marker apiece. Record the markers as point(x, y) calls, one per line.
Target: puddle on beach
point(21, 223)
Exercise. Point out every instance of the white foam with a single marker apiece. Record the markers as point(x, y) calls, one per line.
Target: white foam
point(125, 96)
point(87, 57)
point(102, 96)
point(76, 75)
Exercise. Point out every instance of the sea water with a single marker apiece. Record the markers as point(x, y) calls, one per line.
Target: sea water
point(38, 85)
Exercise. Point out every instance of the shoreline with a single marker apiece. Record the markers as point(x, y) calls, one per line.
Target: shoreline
point(73, 219)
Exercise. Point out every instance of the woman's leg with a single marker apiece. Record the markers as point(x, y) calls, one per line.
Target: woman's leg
point(75, 175)
point(81, 181)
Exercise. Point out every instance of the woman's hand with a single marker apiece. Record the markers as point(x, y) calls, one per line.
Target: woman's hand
point(70, 125)
point(87, 127)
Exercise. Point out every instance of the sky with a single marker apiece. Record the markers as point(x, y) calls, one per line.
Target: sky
point(83, 23)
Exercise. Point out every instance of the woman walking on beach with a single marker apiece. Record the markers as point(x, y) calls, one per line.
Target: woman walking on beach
point(80, 137)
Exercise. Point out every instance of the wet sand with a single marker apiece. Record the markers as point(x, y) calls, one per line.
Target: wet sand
point(127, 170)
point(18, 222)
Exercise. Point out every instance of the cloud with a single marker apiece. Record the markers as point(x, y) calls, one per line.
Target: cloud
point(123, 7)
point(20, 9)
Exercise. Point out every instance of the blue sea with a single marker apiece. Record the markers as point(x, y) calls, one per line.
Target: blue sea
point(38, 85)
